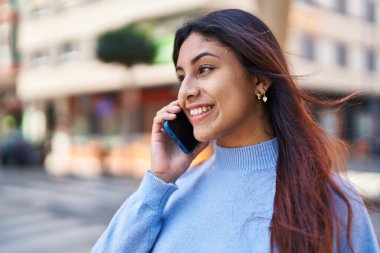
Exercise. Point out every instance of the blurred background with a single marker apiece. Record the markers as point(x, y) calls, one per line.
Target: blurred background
point(80, 82)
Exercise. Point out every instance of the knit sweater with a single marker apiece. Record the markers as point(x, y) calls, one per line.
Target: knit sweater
point(222, 205)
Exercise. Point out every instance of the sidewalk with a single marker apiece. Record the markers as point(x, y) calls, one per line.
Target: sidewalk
point(364, 173)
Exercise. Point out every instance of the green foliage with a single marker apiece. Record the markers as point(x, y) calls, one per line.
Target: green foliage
point(164, 47)
point(127, 45)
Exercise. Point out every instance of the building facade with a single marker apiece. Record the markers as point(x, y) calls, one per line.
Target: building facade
point(8, 62)
point(339, 42)
point(335, 44)
point(10, 105)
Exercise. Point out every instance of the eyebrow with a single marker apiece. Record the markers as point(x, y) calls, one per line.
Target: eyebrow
point(196, 58)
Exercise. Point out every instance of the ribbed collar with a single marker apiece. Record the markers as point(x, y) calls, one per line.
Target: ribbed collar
point(262, 156)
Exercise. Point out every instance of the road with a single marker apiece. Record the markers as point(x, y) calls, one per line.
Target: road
point(39, 213)
point(44, 214)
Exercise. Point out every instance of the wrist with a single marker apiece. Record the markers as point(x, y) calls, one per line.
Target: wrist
point(164, 177)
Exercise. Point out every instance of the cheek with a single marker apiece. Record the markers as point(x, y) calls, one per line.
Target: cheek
point(233, 106)
point(225, 118)
point(238, 107)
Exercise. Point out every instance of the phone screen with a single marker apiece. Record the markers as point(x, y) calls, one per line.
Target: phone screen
point(181, 131)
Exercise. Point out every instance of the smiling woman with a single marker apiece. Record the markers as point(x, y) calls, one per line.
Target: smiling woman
point(273, 183)
point(211, 76)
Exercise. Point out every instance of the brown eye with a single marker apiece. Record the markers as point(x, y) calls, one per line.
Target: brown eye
point(204, 69)
point(180, 78)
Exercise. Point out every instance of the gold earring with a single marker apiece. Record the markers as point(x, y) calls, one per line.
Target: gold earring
point(258, 96)
point(265, 98)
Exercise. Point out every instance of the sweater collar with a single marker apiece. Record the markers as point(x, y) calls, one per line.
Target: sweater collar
point(258, 157)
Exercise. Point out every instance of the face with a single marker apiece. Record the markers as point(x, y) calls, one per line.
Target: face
point(217, 94)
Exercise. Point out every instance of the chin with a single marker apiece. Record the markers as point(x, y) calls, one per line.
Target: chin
point(203, 136)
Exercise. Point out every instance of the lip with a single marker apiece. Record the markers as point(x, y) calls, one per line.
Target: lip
point(196, 119)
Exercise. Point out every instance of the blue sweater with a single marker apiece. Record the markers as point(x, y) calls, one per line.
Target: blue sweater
point(223, 205)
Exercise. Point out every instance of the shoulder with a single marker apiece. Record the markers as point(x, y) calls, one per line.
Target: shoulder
point(352, 196)
point(362, 233)
point(357, 207)
point(347, 188)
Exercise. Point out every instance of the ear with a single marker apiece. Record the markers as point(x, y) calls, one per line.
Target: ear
point(262, 84)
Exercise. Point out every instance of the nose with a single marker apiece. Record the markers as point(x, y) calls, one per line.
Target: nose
point(189, 89)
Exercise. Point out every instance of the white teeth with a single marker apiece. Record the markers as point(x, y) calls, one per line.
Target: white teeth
point(200, 110)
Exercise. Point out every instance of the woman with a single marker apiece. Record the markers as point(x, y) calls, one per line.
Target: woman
point(271, 185)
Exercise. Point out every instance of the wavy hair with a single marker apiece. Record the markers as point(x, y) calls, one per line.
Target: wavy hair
point(303, 219)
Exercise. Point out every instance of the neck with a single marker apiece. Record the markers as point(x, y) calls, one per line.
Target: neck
point(253, 131)
point(257, 157)
point(244, 140)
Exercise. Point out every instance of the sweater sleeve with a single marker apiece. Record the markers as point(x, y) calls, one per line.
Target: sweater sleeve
point(362, 234)
point(136, 224)
point(363, 239)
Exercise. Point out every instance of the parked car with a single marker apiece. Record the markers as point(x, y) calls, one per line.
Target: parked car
point(14, 150)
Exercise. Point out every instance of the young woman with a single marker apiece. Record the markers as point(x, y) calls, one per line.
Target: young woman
point(272, 184)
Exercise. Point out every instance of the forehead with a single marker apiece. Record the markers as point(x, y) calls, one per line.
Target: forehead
point(197, 43)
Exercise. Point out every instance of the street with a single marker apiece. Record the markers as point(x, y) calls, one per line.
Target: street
point(39, 213)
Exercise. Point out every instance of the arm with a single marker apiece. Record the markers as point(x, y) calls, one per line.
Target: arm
point(362, 234)
point(136, 224)
point(363, 239)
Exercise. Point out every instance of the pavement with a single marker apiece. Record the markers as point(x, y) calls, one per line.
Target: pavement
point(44, 214)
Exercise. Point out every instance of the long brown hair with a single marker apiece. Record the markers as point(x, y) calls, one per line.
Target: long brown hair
point(303, 219)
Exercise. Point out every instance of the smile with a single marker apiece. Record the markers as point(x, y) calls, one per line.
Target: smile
point(200, 110)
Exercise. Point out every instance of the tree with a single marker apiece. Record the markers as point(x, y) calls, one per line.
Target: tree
point(127, 45)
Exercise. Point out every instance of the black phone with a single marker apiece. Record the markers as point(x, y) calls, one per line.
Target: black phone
point(181, 131)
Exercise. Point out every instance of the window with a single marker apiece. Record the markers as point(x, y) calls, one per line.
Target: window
point(67, 51)
point(330, 122)
point(39, 58)
point(63, 5)
point(308, 47)
point(363, 125)
point(370, 59)
point(341, 54)
point(98, 114)
point(308, 1)
point(370, 11)
point(38, 8)
point(67, 4)
point(341, 6)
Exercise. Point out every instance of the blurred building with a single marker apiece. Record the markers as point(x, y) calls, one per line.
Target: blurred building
point(339, 42)
point(11, 142)
point(9, 105)
point(336, 42)
point(101, 106)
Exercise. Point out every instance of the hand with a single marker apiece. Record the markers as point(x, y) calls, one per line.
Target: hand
point(168, 161)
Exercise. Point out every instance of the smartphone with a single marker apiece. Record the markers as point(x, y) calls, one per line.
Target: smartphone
point(181, 131)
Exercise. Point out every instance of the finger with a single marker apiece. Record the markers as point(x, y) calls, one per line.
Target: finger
point(159, 120)
point(169, 108)
point(173, 109)
point(175, 102)
point(165, 114)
